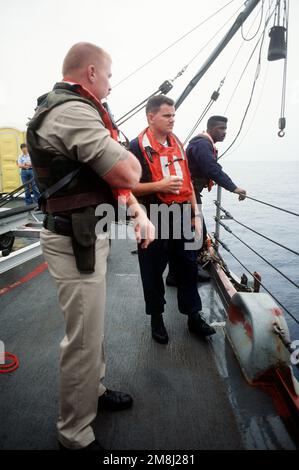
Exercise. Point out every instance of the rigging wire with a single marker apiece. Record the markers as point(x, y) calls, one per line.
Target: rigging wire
point(213, 98)
point(215, 95)
point(254, 113)
point(267, 238)
point(283, 98)
point(120, 121)
point(242, 73)
point(260, 23)
point(173, 44)
point(257, 72)
point(257, 279)
point(249, 102)
point(242, 44)
point(282, 119)
point(229, 216)
point(228, 229)
point(213, 37)
point(164, 88)
point(274, 207)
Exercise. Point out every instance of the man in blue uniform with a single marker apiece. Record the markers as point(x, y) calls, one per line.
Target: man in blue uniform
point(24, 163)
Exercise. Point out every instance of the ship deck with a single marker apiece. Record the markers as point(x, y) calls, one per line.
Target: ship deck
point(188, 395)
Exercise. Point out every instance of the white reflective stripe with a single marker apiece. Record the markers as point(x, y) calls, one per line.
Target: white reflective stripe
point(145, 141)
point(165, 166)
point(178, 169)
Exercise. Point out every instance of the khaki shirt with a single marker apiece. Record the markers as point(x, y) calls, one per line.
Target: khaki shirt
point(77, 131)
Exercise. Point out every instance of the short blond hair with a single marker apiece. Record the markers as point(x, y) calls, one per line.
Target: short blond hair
point(81, 55)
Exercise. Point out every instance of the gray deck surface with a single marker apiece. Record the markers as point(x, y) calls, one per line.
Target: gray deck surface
point(181, 401)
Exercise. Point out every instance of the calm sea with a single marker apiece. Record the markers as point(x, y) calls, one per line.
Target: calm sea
point(276, 183)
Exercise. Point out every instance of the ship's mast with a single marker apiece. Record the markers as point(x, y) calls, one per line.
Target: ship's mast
point(251, 4)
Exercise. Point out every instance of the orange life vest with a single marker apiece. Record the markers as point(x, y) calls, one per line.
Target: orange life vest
point(166, 161)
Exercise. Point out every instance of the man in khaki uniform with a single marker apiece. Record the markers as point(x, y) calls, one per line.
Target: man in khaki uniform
point(72, 145)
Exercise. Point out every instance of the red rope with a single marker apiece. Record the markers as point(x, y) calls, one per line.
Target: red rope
point(10, 366)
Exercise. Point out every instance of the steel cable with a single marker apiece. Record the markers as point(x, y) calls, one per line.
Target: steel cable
point(228, 229)
point(258, 280)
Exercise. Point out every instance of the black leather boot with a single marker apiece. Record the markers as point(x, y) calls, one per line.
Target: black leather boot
point(159, 332)
point(199, 326)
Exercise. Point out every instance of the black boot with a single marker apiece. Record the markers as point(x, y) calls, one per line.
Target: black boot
point(159, 332)
point(199, 326)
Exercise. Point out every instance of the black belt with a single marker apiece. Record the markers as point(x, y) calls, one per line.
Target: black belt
point(57, 224)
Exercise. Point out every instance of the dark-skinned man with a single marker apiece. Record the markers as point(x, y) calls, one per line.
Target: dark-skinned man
point(205, 170)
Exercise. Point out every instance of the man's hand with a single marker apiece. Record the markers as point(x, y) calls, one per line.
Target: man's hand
point(197, 223)
point(144, 229)
point(170, 184)
point(241, 192)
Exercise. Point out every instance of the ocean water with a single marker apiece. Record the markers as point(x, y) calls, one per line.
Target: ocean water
point(275, 183)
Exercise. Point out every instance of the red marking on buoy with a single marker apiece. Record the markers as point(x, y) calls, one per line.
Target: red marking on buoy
point(248, 329)
point(235, 315)
point(276, 311)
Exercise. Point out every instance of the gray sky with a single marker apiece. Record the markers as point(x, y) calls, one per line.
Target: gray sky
point(36, 34)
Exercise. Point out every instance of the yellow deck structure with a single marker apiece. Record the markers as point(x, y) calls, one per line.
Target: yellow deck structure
point(10, 141)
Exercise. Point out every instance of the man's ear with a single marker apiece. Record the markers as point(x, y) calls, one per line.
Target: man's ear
point(150, 117)
point(91, 72)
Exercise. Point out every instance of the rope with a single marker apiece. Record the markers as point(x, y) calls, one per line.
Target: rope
point(257, 279)
point(228, 229)
point(172, 44)
point(11, 366)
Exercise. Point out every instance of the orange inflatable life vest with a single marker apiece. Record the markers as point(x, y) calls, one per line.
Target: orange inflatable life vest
point(166, 161)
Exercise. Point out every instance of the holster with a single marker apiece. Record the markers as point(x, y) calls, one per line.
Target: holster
point(84, 239)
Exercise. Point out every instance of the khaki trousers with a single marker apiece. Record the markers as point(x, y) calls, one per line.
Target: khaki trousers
point(82, 365)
